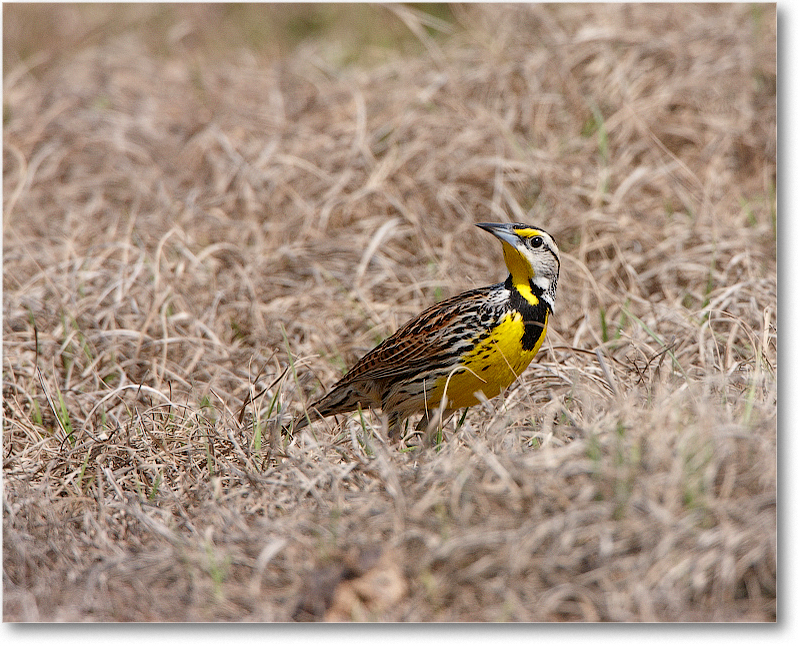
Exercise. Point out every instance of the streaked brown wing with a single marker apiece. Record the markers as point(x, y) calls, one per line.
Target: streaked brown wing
point(424, 341)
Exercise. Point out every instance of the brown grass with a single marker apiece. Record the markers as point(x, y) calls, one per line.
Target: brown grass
point(180, 228)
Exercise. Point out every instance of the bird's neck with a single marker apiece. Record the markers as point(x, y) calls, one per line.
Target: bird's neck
point(520, 276)
point(529, 291)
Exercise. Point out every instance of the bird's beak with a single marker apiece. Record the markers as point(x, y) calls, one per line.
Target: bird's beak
point(504, 232)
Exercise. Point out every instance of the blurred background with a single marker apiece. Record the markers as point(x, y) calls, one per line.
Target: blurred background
point(344, 33)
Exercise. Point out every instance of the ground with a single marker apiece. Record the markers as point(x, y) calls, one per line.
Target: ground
point(192, 216)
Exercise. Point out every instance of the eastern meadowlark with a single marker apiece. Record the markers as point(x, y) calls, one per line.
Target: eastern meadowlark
point(477, 342)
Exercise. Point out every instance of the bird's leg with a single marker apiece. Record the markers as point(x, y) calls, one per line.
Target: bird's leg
point(431, 422)
point(395, 425)
point(422, 424)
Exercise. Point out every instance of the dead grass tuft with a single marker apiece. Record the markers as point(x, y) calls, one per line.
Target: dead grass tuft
point(180, 232)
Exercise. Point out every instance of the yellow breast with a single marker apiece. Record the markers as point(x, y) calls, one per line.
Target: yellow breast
point(491, 366)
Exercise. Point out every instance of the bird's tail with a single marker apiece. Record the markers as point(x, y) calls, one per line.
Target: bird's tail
point(340, 400)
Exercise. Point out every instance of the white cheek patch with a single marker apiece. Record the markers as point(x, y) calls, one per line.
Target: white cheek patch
point(542, 283)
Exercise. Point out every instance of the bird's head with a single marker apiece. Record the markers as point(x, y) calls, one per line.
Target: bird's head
point(532, 259)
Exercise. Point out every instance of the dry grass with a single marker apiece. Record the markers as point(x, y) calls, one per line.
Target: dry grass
point(179, 229)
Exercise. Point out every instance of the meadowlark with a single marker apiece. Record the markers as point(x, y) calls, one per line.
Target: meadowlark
point(461, 351)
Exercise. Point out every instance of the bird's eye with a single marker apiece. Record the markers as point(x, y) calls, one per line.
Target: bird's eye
point(536, 242)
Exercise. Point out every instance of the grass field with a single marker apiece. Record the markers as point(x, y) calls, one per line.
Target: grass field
point(203, 203)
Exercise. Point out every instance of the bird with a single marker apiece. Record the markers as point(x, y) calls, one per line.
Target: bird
point(461, 351)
